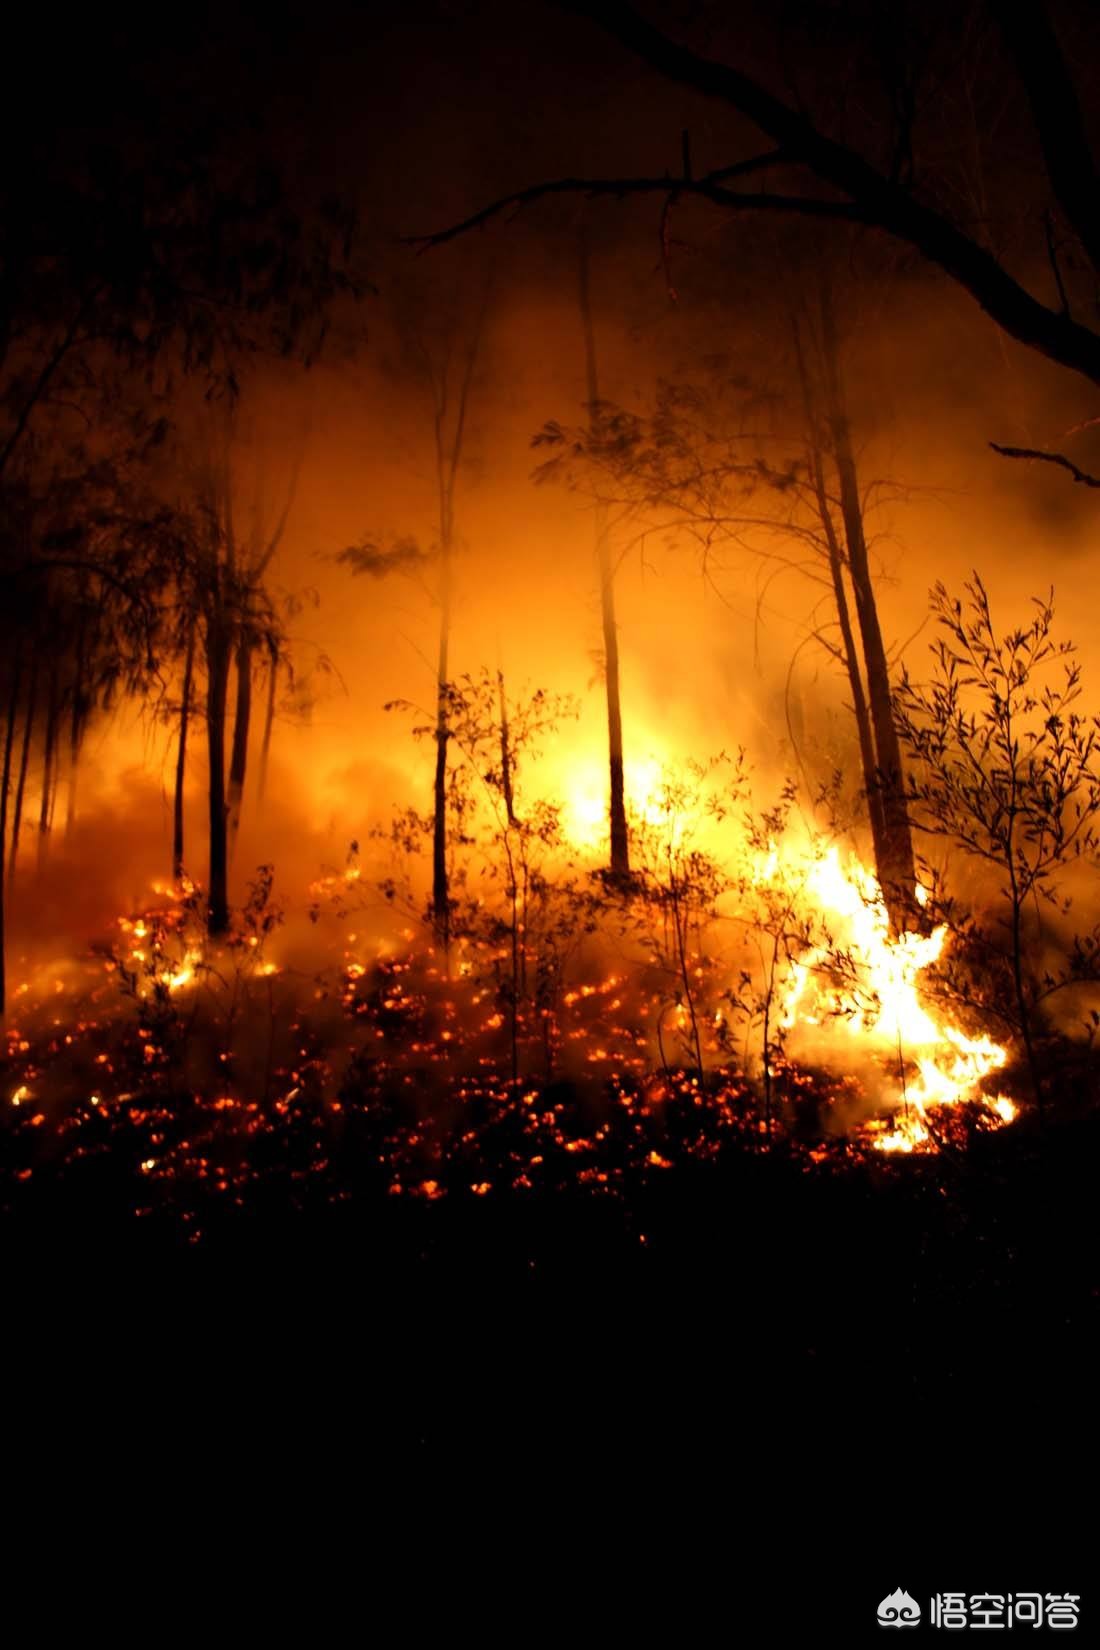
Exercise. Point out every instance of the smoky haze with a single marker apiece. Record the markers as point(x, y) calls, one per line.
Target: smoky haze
point(423, 124)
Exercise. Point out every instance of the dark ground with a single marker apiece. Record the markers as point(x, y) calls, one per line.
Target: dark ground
point(877, 1372)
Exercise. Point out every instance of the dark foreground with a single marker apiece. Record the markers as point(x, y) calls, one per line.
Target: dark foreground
point(843, 1348)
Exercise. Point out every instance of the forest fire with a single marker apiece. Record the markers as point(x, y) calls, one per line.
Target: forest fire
point(483, 1071)
point(532, 748)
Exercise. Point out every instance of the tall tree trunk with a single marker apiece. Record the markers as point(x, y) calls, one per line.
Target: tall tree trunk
point(619, 864)
point(181, 755)
point(238, 761)
point(5, 787)
point(70, 802)
point(897, 870)
point(24, 764)
point(217, 695)
point(269, 719)
point(441, 893)
point(55, 775)
point(506, 763)
point(448, 456)
point(77, 717)
point(49, 757)
point(860, 712)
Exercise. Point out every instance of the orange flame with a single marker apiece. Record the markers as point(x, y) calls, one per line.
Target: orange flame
point(879, 1006)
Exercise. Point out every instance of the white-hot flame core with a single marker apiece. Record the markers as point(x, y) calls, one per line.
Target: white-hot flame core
point(184, 974)
point(584, 797)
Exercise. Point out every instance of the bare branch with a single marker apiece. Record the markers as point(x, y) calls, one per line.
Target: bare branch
point(708, 188)
point(1060, 459)
point(870, 197)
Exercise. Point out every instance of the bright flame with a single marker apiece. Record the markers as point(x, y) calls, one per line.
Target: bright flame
point(185, 973)
point(584, 794)
point(878, 1003)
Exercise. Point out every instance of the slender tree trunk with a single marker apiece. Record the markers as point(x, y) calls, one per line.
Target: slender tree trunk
point(897, 869)
point(864, 732)
point(859, 702)
point(181, 755)
point(238, 761)
point(513, 993)
point(217, 695)
point(448, 452)
point(620, 843)
point(441, 893)
point(70, 802)
point(1023, 1007)
point(76, 722)
point(505, 754)
point(24, 764)
point(49, 757)
point(55, 776)
point(518, 908)
point(5, 787)
point(680, 920)
point(269, 720)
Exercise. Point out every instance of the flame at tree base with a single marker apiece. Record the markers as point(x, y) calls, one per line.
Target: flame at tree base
point(859, 992)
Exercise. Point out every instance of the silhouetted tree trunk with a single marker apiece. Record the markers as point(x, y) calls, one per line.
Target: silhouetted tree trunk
point(441, 894)
point(55, 776)
point(864, 734)
point(235, 566)
point(70, 802)
point(506, 754)
point(897, 868)
point(181, 755)
point(77, 715)
point(448, 454)
point(238, 761)
point(620, 842)
point(217, 695)
point(269, 719)
point(24, 764)
point(5, 787)
point(49, 757)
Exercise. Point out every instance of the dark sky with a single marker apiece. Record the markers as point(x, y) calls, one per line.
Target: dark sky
point(421, 113)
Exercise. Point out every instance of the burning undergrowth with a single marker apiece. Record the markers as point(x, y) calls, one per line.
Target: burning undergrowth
point(184, 1080)
point(485, 1003)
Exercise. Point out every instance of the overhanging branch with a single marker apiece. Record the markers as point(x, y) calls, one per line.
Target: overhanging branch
point(870, 197)
point(1060, 459)
point(709, 188)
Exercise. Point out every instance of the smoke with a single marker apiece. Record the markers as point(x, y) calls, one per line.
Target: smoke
point(706, 661)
